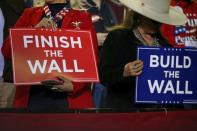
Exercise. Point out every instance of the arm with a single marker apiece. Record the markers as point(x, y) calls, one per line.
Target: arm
point(111, 67)
point(118, 63)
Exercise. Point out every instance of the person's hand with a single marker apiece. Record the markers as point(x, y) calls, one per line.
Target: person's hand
point(66, 86)
point(133, 68)
point(61, 85)
point(46, 23)
point(101, 38)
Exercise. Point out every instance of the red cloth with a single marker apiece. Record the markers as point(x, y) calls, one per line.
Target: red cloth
point(176, 34)
point(81, 96)
point(140, 121)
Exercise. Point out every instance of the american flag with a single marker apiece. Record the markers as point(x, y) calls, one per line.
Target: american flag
point(180, 30)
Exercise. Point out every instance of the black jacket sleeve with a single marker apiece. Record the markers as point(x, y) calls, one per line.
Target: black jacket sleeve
point(112, 59)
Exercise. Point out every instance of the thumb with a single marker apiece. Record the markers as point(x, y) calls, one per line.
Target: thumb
point(63, 78)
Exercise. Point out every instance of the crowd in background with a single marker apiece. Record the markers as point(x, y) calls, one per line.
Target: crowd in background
point(105, 15)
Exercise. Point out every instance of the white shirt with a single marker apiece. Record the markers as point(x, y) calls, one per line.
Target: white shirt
point(1, 42)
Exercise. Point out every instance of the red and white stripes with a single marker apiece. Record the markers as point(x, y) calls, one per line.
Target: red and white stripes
point(59, 16)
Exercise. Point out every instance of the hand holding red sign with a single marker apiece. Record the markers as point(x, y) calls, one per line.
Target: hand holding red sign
point(62, 84)
point(44, 54)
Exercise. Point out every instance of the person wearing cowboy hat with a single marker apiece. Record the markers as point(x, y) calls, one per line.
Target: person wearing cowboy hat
point(118, 64)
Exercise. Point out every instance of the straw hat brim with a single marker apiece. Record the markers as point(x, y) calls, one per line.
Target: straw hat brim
point(173, 17)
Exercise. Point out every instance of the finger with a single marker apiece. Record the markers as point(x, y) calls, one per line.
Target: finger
point(135, 70)
point(54, 27)
point(66, 87)
point(50, 23)
point(138, 73)
point(42, 24)
point(132, 67)
point(61, 88)
point(45, 24)
point(136, 62)
point(139, 64)
point(45, 19)
point(138, 68)
point(133, 73)
point(63, 78)
point(55, 89)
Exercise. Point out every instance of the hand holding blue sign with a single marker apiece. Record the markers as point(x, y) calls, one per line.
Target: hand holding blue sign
point(133, 68)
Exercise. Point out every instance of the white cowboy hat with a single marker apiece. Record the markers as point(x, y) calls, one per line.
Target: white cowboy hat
point(158, 10)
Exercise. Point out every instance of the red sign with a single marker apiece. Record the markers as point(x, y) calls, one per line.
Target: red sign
point(42, 54)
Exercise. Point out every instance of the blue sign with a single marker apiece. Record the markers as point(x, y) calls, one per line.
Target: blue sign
point(169, 76)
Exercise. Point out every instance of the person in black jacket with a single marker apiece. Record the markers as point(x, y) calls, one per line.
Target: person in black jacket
point(118, 64)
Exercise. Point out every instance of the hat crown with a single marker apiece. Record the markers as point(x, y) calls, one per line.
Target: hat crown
point(157, 5)
point(158, 10)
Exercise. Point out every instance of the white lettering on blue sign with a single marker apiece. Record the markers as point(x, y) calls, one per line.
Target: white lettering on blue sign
point(170, 61)
point(164, 87)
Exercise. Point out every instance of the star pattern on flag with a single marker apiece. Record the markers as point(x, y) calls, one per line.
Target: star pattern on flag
point(180, 30)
